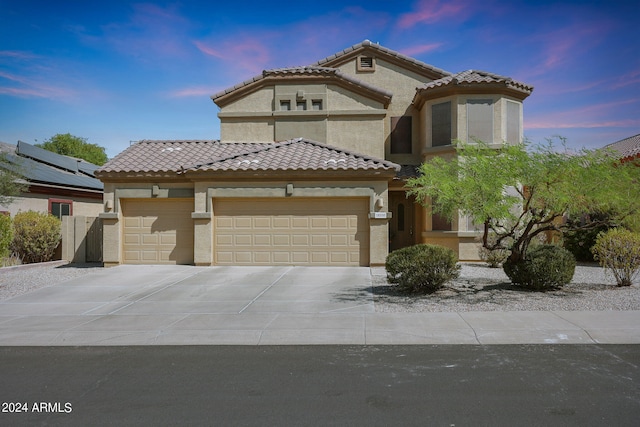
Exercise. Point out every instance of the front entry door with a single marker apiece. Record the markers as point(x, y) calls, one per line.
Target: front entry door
point(401, 226)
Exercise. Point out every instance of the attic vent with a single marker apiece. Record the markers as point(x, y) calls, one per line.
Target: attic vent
point(366, 64)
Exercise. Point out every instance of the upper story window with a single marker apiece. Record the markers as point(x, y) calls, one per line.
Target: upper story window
point(401, 135)
point(316, 104)
point(513, 122)
point(480, 120)
point(285, 105)
point(301, 105)
point(441, 124)
point(366, 63)
point(60, 207)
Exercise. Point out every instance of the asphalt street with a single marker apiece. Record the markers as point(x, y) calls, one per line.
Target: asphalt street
point(435, 385)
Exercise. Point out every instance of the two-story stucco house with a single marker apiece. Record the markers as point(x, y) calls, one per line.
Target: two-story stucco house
point(310, 166)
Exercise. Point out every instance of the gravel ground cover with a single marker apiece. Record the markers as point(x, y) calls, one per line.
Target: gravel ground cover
point(480, 288)
point(22, 279)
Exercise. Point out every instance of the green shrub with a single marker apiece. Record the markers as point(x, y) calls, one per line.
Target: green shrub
point(543, 267)
point(618, 250)
point(422, 268)
point(6, 235)
point(580, 241)
point(493, 257)
point(35, 236)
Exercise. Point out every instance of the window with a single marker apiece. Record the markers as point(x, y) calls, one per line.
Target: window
point(301, 105)
point(316, 104)
point(400, 217)
point(480, 120)
point(366, 63)
point(401, 135)
point(440, 223)
point(513, 122)
point(60, 208)
point(285, 105)
point(441, 124)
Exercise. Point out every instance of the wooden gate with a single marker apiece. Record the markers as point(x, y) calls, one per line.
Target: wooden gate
point(81, 239)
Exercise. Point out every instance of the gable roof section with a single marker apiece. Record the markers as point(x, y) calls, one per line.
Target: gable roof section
point(474, 80)
point(309, 73)
point(628, 148)
point(389, 55)
point(186, 157)
point(39, 166)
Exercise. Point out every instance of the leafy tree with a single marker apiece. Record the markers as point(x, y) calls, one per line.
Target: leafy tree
point(10, 186)
point(75, 146)
point(519, 193)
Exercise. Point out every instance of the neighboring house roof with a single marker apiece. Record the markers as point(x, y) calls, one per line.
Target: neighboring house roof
point(213, 156)
point(628, 148)
point(310, 72)
point(474, 79)
point(39, 166)
point(357, 49)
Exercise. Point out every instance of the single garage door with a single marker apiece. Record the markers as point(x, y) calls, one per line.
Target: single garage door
point(157, 231)
point(317, 231)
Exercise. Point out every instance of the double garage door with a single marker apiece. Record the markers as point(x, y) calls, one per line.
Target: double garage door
point(314, 231)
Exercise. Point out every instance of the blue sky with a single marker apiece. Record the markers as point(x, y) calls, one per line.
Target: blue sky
point(115, 72)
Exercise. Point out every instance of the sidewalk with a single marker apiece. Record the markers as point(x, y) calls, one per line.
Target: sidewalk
point(181, 305)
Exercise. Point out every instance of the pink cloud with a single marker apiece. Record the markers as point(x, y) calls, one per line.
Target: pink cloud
point(418, 49)
point(150, 32)
point(15, 54)
point(591, 116)
point(243, 53)
point(432, 11)
point(192, 92)
point(26, 87)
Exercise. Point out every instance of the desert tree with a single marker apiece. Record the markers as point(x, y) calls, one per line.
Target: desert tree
point(519, 191)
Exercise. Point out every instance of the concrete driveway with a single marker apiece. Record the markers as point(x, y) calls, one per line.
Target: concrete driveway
point(183, 305)
point(190, 305)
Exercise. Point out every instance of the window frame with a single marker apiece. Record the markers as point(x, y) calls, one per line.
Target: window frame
point(480, 101)
point(61, 202)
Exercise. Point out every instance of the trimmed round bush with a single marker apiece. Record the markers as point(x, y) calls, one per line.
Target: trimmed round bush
point(543, 267)
point(422, 268)
point(618, 250)
point(35, 236)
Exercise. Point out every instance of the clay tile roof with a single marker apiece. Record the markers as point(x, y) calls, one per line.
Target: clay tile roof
point(173, 157)
point(476, 77)
point(293, 155)
point(627, 148)
point(149, 156)
point(305, 71)
point(336, 57)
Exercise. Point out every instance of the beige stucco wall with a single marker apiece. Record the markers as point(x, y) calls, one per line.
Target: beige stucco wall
point(402, 83)
point(362, 135)
point(40, 203)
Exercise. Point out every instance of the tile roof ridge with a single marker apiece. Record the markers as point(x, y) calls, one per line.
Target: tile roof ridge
point(264, 147)
point(345, 151)
point(386, 50)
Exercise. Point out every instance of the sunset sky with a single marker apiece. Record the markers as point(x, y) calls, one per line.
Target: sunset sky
point(115, 72)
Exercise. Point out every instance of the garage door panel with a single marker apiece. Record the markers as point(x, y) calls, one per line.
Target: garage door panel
point(327, 231)
point(157, 231)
